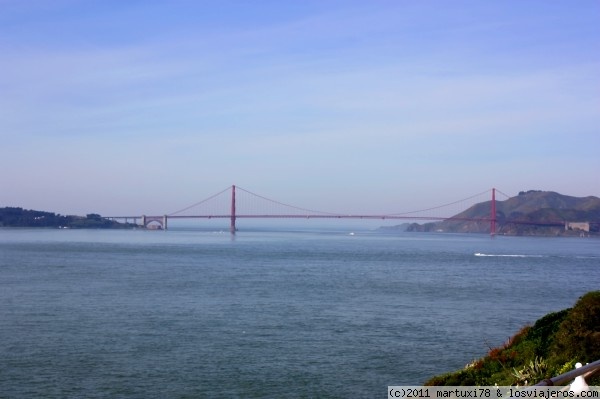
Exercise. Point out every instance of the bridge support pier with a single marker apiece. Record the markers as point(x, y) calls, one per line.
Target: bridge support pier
point(161, 220)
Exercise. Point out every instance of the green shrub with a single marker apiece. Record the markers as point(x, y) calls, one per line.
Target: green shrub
point(533, 372)
point(578, 336)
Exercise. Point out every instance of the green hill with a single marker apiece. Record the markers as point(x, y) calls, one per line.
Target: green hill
point(19, 217)
point(529, 213)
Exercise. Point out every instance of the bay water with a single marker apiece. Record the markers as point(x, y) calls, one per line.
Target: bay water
point(320, 313)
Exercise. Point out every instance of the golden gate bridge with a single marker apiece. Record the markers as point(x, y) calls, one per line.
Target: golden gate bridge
point(235, 203)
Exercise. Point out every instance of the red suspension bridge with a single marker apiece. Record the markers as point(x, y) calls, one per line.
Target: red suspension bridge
point(235, 203)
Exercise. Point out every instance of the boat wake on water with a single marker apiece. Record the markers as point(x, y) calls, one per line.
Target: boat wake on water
point(509, 255)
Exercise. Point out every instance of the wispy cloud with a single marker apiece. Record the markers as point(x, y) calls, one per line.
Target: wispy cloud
point(315, 91)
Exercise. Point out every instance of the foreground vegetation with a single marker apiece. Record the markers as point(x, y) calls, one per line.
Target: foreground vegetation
point(550, 347)
point(19, 217)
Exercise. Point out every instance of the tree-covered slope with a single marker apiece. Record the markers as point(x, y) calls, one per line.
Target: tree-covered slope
point(19, 217)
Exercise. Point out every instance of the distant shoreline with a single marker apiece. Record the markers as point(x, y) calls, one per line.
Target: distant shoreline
point(19, 217)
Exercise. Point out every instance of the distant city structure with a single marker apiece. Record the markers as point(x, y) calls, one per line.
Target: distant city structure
point(584, 226)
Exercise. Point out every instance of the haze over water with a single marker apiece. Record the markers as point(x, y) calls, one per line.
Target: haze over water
point(313, 313)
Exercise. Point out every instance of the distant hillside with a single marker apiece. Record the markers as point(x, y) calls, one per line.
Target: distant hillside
point(19, 217)
point(529, 213)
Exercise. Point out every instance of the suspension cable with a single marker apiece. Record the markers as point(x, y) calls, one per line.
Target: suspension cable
point(199, 203)
point(440, 206)
point(287, 205)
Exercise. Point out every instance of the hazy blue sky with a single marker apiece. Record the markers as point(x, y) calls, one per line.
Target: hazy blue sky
point(148, 106)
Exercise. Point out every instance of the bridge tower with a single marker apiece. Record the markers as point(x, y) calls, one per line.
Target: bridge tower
point(493, 214)
point(232, 225)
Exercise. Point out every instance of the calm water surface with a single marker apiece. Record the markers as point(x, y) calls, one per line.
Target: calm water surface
point(140, 314)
